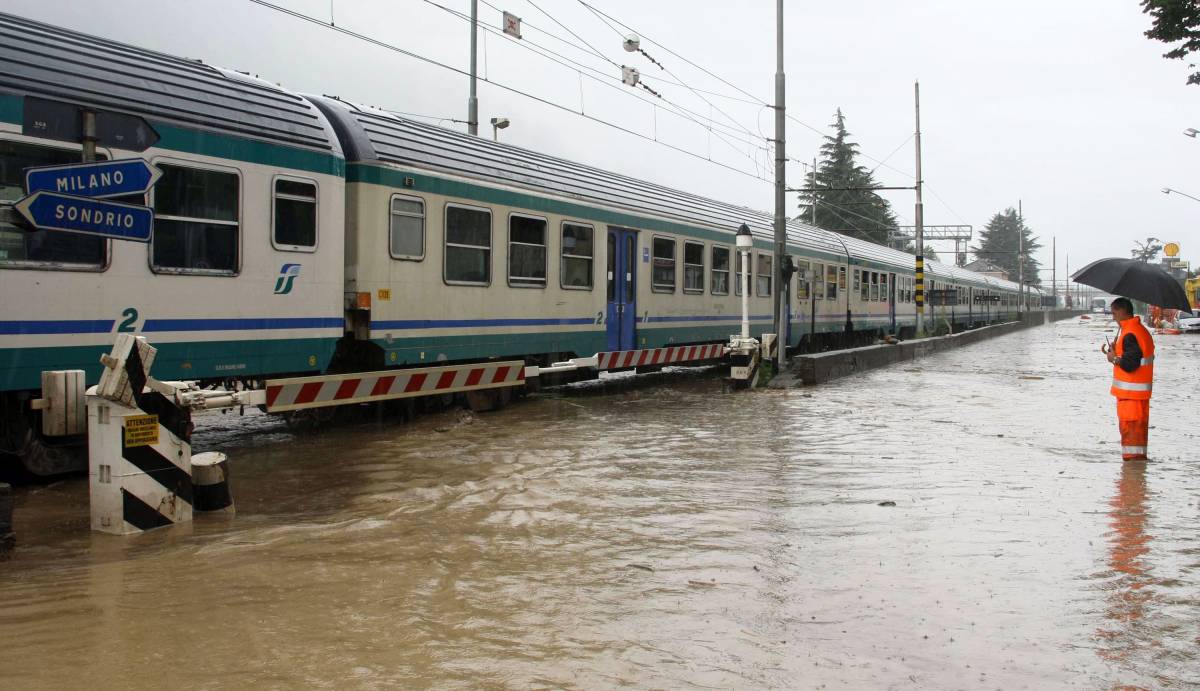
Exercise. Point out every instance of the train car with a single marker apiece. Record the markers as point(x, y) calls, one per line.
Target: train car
point(244, 273)
point(306, 235)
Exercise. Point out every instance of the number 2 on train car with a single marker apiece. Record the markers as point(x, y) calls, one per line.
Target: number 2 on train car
point(622, 289)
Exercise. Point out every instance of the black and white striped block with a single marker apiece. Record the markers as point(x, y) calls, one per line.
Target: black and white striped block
point(139, 456)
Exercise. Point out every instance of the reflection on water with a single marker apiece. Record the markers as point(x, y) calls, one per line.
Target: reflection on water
point(949, 523)
point(1129, 546)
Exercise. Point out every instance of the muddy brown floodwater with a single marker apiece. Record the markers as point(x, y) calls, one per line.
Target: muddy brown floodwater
point(662, 537)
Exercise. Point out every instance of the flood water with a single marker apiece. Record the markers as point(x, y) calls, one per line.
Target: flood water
point(673, 536)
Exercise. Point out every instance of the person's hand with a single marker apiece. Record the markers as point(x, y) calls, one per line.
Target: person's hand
point(1104, 348)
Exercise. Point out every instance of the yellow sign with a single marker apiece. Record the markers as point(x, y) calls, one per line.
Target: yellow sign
point(384, 293)
point(1171, 249)
point(141, 430)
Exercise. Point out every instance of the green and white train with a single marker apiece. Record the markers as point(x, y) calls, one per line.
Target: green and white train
point(300, 235)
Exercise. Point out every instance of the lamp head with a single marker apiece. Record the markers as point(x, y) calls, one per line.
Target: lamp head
point(744, 239)
point(500, 123)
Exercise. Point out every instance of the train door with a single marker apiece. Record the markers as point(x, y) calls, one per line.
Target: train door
point(891, 282)
point(622, 291)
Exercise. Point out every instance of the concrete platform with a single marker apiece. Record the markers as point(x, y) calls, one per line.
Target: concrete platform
point(818, 368)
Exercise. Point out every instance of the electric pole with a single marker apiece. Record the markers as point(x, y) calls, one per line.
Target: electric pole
point(780, 189)
point(920, 221)
point(472, 101)
point(1020, 257)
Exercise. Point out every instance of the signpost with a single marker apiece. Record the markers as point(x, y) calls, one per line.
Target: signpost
point(98, 180)
point(51, 211)
point(73, 198)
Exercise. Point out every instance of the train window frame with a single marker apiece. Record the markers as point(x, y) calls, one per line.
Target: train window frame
point(874, 290)
point(885, 286)
point(392, 214)
point(563, 256)
point(528, 281)
point(764, 277)
point(39, 265)
point(655, 286)
point(446, 244)
point(316, 202)
point(159, 162)
point(831, 287)
point(737, 272)
point(864, 290)
point(818, 280)
point(841, 278)
point(857, 281)
point(686, 266)
point(803, 280)
point(715, 271)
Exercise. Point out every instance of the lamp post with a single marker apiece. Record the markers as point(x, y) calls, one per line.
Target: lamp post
point(1168, 190)
point(497, 125)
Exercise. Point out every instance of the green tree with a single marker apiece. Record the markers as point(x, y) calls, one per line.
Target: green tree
point(1146, 251)
point(999, 243)
point(1175, 22)
point(857, 212)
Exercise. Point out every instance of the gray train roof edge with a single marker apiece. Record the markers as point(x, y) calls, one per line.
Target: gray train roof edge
point(40, 62)
point(371, 135)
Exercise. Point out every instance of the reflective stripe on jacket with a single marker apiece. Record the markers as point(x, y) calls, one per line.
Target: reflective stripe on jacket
point(1139, 383)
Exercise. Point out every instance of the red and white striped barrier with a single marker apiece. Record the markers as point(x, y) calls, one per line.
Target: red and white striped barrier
point(658, 356)
point(315, 392)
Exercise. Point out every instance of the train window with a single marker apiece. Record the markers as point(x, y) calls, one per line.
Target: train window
point(295, 215)
point(818, 281)
point(803, 280)
point(196, 221)
point(720, 270)
point(874, 295)
point(864, 292)
point(693, 267)
point(841, 278)
point(738, 281)
point(612, 267)
point(663, 276)
point(883, 287)
point(857, 280)
point(50, 249)
point(578, 251)
point(526, 251)
point(468, 245)
point(406, 228)
point(831, 285)
point(763, 286)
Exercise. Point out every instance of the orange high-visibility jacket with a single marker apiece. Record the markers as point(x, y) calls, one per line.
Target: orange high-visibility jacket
point(1137, 384)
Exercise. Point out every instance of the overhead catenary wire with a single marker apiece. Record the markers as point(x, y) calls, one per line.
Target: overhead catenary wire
point(576, 66)
point(422, 58)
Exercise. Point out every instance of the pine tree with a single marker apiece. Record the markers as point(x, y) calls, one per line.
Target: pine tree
point(856, 212)
point(999, 243)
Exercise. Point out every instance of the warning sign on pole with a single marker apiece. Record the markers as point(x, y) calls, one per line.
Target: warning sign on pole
point(141, 430)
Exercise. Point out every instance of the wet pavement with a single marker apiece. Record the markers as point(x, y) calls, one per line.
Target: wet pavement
point(673, 536)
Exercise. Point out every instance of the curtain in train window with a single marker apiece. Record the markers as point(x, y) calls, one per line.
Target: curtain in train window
point(720, 270)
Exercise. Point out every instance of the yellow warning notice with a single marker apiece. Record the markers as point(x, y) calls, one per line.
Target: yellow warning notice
point(141, 430)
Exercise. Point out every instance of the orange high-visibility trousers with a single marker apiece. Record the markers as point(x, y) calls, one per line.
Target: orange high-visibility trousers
point(1134, 419)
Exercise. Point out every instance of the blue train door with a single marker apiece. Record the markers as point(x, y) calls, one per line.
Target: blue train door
point(622, 294)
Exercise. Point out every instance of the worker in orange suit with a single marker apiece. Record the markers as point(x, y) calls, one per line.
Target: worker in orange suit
point(1132, 357)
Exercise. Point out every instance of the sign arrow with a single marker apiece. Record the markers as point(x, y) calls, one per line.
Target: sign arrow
point(98, 180)
point(52, 211)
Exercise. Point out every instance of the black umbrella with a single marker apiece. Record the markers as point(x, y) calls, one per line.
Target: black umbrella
point(1134, 279)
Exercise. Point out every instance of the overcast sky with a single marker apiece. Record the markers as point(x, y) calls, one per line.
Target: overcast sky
point(1063, 104)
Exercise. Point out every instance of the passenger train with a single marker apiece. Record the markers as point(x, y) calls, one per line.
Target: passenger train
point(302, 234)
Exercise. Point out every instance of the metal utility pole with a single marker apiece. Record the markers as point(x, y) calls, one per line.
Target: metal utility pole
point(472, 101)
point(1054, 269)
point(919, 215)
point(1020, 257)
point(780, 189)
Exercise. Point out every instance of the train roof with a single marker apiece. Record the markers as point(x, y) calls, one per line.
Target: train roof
point(53, 63)
point(373, 135)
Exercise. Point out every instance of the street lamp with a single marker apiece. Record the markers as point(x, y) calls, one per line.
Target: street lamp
point(1168, 190)
point(497, 125)
point(1191, 132)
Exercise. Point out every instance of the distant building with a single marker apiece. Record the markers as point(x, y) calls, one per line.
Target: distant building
point(985, 267)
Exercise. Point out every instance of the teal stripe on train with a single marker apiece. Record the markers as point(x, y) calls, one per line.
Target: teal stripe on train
point(216, 145)
point(21, 368)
